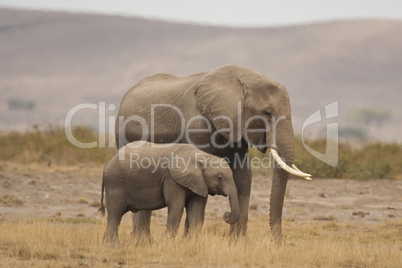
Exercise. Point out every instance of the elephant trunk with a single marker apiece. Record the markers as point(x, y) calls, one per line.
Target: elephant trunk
point(232, 217)
point(279, 182)
point(285, 146)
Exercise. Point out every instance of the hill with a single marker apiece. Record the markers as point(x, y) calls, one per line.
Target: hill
point(52, 61)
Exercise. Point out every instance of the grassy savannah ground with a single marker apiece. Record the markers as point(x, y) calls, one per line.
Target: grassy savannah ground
point(57, 241)
point(78, 242)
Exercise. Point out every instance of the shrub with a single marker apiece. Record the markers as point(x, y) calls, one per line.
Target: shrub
point(376, 160)
point(51, 146)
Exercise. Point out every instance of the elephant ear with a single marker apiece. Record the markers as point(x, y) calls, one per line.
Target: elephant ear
point(188, 171)
point(220, 97)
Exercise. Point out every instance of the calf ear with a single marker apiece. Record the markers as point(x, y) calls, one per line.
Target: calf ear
point(187, 171)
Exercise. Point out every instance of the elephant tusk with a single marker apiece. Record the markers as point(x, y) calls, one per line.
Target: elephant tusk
point(295, 168)
point(284, 166)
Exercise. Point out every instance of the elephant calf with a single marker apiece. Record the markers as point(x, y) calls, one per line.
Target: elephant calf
point(146, 176)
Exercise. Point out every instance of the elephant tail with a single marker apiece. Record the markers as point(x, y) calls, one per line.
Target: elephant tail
point(102, 207)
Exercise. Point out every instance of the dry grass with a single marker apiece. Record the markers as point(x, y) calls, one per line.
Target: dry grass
point(51, 147)
point(10, 201)
point(83, 200)
point(94, 170)
point(78, 242)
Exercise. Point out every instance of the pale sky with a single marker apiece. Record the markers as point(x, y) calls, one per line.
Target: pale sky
point(228, 12)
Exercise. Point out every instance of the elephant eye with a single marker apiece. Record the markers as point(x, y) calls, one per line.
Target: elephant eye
point(220, 177)
point(268, 114)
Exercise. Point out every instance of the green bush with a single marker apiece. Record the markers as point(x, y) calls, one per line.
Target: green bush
point(51, 146)
point(372, 161)
point(377, 160)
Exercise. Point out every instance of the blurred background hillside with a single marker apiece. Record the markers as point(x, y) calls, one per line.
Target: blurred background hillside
point(52, 61)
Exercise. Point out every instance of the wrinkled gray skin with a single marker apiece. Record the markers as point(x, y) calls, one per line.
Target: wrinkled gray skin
point(212, 94)
point(132, 185)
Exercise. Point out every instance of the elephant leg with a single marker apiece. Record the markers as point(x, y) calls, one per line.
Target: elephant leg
point(175, 212)
point(242, 177)
point(142, 225)
point(116, 208)
point(113, 222)
point(195, 209)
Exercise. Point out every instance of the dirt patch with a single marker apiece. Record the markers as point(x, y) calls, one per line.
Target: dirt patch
point(72, 194)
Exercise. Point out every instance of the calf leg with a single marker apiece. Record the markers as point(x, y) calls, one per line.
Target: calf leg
point(195, 209)
point(116, 207)
point(142, 225)
point(175, 212)
point(113, 222)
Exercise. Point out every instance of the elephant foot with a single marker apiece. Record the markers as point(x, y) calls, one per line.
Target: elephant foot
point(234, 240)
point(112, 241)
point(277, 235)
point(142, 238)
point(278, 241)
point(238, 230)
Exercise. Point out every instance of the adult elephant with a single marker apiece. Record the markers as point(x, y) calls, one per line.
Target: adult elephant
point(221, 112)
